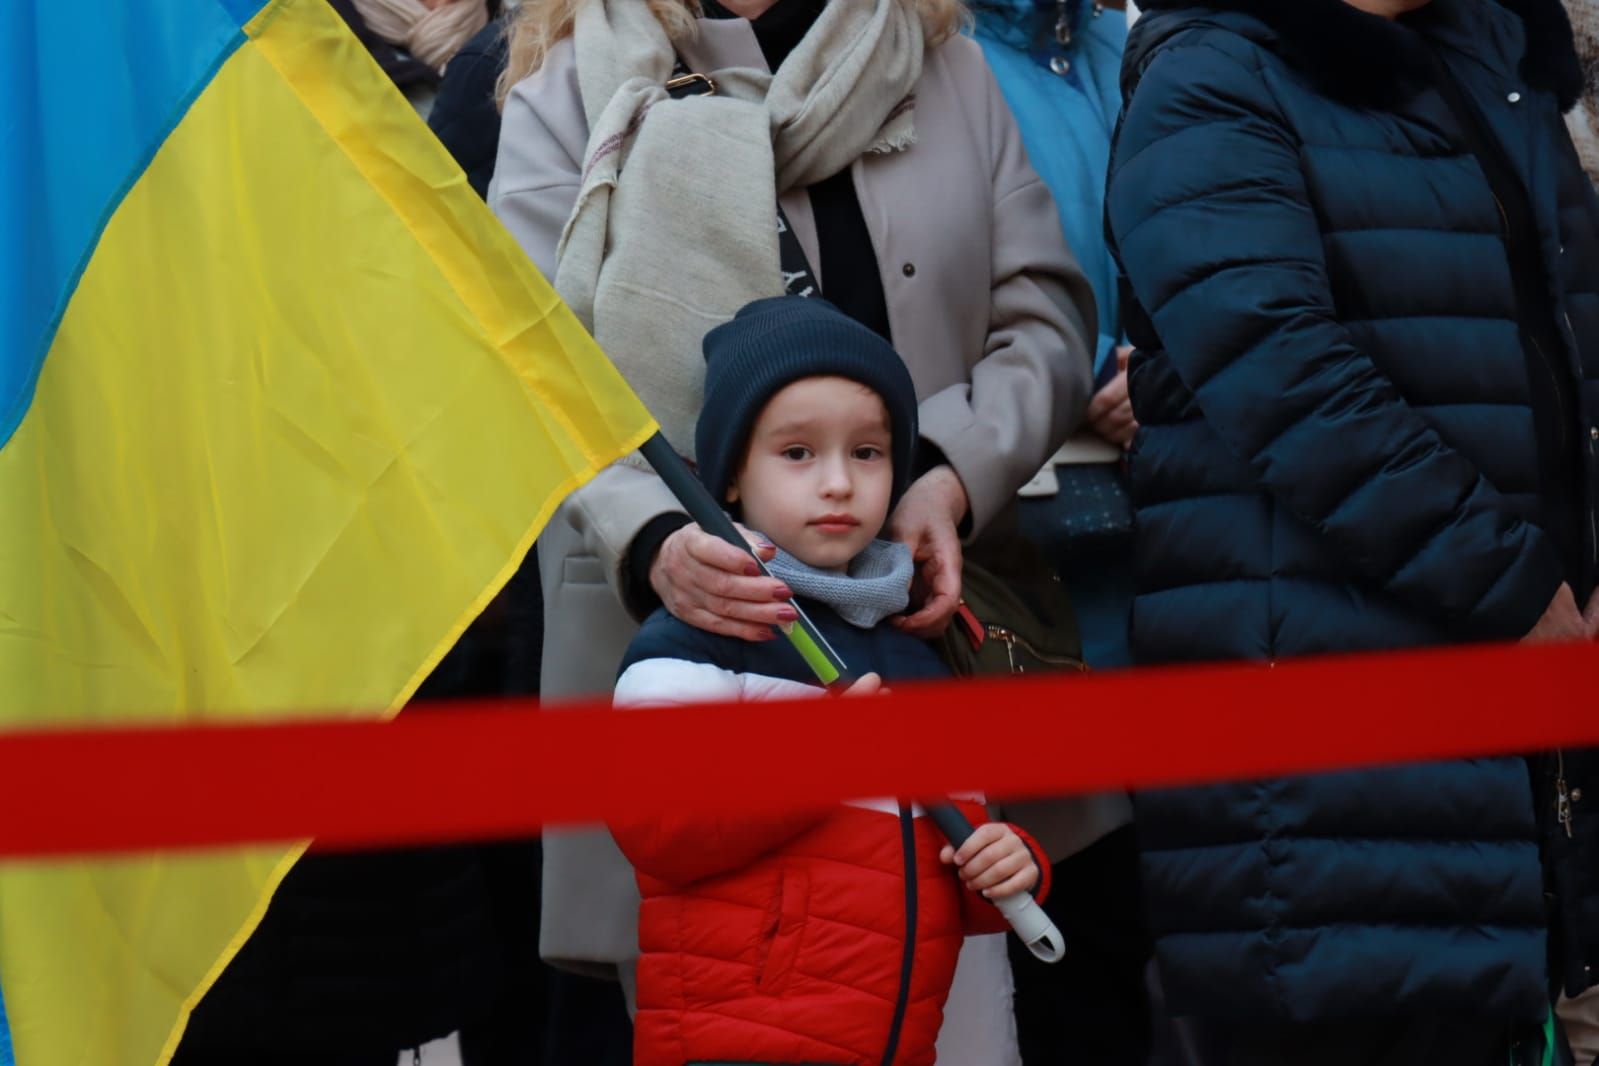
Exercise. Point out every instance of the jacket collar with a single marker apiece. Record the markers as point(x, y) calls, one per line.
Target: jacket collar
point(1372, 61)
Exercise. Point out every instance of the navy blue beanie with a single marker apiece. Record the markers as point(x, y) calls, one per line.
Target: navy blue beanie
point(775, 342)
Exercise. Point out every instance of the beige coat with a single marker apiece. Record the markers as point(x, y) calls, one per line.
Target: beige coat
point(1584, 118)
point(987, 307)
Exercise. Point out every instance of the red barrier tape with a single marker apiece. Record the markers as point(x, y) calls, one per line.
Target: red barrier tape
point(477, 771)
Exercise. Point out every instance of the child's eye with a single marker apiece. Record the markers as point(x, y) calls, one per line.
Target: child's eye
point(796, 453)
point(868, 452)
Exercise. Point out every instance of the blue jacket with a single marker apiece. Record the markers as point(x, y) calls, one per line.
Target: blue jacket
point(1066, 119)
point(882, 649)
point(1339, 452)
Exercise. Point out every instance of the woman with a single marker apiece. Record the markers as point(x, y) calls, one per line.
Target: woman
point(879, 135)
point(1058, 62)
point(1365, 265)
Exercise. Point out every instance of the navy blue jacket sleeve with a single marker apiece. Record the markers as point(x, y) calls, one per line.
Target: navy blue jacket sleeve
point(1213, 225)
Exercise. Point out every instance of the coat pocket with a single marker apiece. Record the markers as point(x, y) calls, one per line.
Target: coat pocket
point(785, 928)
point(582, 570)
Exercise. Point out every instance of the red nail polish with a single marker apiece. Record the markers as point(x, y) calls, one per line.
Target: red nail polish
point(787, 614)
point(752, 569)
point(782, 593)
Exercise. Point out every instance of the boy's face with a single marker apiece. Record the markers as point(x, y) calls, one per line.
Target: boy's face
point(817, 475)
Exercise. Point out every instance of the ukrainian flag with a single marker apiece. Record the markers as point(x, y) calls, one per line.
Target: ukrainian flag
point(281, 408)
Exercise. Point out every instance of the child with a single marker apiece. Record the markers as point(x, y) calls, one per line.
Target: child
point(831, 936)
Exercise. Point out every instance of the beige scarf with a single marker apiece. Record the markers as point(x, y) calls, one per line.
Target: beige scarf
point(675, 225)
point(1584, 118)
point(432, 35)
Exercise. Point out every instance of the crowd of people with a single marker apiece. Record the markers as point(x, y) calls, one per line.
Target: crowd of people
point(1267, 328)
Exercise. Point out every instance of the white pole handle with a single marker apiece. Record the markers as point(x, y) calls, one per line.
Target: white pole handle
point(1033, 926)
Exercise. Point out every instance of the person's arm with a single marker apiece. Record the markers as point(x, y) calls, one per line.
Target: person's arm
point(681, 850)
point(629, 520)
point(1001, 859)
point(1213, 225)
point(464, 116)
point(1030, 389)
point(537, 173)
point(538, 166)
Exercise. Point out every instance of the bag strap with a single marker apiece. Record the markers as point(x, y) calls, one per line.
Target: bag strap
point(798, 277)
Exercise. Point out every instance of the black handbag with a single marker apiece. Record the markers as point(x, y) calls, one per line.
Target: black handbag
point(1015, 617)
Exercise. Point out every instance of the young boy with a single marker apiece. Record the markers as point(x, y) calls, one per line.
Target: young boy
point(828, 937)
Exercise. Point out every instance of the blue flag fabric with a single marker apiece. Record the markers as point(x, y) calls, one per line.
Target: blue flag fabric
point(6, 1058)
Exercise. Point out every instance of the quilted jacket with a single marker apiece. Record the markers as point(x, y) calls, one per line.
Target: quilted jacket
point(825, 938)
point(1341, 451)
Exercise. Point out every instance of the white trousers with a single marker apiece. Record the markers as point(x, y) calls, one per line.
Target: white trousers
point(980, 1016)
point(445, 1052)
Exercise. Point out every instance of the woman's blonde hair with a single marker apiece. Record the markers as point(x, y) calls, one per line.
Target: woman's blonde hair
point(540, 24)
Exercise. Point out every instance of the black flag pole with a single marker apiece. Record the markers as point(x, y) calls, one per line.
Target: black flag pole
point(1023, 913)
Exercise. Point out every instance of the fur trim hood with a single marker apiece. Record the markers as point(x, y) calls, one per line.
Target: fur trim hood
point(1372, 61)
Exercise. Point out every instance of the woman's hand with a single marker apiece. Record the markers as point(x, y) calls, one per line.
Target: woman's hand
point(926, 520)
point(994, 861)
point(710, 584)
point(1110, 412)
point(1562, 621)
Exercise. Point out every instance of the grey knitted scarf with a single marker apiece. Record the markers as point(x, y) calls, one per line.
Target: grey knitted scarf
point(875, 585)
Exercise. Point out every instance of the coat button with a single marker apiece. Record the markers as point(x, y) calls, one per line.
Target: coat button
point(909, 270)
point(1576, 795)
point(1060, 65)
point(1514, 98)
point(1593, 432)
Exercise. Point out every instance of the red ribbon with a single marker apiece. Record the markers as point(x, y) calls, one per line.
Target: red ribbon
point(475, 771)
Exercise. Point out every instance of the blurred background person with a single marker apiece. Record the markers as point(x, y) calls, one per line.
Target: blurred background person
point(415, 40)
point(1058, 63)
point(435, 950)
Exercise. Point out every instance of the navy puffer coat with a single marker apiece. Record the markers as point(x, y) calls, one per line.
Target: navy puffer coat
point(1339, 453)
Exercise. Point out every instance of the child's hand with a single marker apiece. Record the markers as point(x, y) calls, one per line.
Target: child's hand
point(867, 685)
point(994, 861)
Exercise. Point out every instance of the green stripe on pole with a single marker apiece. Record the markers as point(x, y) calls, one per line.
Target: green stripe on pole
point(817, 659)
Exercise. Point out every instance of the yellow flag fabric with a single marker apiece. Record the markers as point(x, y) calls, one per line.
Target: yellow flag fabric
point(299, 417)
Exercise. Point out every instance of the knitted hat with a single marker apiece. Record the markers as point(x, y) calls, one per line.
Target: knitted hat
point(775, 342)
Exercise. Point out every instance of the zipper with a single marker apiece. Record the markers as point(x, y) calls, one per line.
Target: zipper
point(1562, 794)
point(907, 831)
point(1013, 640)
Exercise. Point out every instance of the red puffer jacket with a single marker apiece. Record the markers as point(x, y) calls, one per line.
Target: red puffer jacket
point(784, 939)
